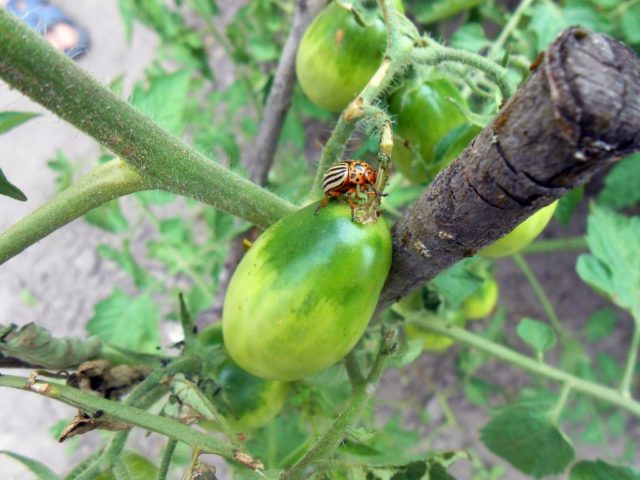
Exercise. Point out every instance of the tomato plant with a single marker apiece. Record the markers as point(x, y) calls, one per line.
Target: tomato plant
point(522, 235)
point(339, 53)
point(425, 114)
point(434, 342)
point(139, 468)
point(247, 402)
point(304, 292)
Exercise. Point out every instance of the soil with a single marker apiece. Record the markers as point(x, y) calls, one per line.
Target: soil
point(57, 281)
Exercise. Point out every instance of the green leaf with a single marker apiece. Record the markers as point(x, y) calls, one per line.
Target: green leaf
point(458, 282)
point(539, 336)
point(127, 12)
point(434, 11)
point(165, 99)
point(601, 324)
point(62, 165)
point(609, 368)
point(470, 37)
point(528, 439)
point(126, 261)
point(35, 345)
point(567, 205)
point(621, 184)
point(128, 322)
point(547, 20)
point(600, 470)
point(630, 21)
point(41, 471)
point(593, 432)
point(10, 190)
point(613, 267)
point(108, 217)
point(9, 120)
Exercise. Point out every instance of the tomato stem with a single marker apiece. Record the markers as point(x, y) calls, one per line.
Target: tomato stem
point(330, 440)
point(606, 394)
point(632, 356)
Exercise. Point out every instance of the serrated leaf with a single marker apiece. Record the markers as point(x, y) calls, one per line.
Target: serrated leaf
point(528, 439)
point(470, 37)
point(8, 189)
point(613, 267)
point(536, 334)
point(458, 282)
point(108, 217)
point(41, 471)
point(9, 120)
point(126, 261)
point(621, 183)
point(600, 470)
point(601, 324)
point(165, 99)
point(128, 322)
point(407, 353)
point(567, 205)
point(35, 345)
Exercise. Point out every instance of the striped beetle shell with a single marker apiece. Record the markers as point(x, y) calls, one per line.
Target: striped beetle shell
point(344, 176)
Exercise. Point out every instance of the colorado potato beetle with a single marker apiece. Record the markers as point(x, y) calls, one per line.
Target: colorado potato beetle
point(350, 178)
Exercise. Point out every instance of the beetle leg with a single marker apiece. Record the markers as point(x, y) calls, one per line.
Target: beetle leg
point(323, 202)
point(353, 208)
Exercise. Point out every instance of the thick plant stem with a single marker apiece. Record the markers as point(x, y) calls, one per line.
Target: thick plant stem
point(327, 444)
point(133, 416)
point(632, 358)
point(542, 297)
point(32, 66)
point(106, 182)
point(436, 54)
point(556, 245)
point(530, 364)
point(169, 449)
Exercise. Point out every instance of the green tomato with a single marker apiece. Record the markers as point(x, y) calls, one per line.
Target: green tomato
point(249, 402)
point(304, 293)
point(522, 235)
point(424, 117)
point(138, 466)
point(337, 55)
point(434, 342)
point(482, 302)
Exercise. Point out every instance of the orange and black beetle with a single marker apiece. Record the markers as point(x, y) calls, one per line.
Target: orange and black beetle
point(347, 178)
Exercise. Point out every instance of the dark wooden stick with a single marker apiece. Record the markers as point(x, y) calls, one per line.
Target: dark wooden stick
point(578, 111)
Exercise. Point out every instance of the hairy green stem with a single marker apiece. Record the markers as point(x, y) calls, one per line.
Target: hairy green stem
point(330, 440)
point(632, 359)
point(530, 364)
point(542, 297)
point(435, 54)
point(556, 245)
point(125, 413)
point(105, 182)
point(561, 403)
point(167, 455)
point(32, 66)
point(353, 369)
point(395, 58)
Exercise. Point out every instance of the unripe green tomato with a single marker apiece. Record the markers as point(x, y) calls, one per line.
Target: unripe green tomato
point(304, 293)
point(424, 117)
point(337, 56)
point(482, 302)
point(434, 342)
point(253, 401)
point(139, 468)
point(522, 235)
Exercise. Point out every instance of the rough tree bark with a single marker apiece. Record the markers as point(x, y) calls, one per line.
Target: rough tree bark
point(578, 111)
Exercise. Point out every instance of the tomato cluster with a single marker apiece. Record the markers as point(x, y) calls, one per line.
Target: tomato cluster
point(305, 291)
